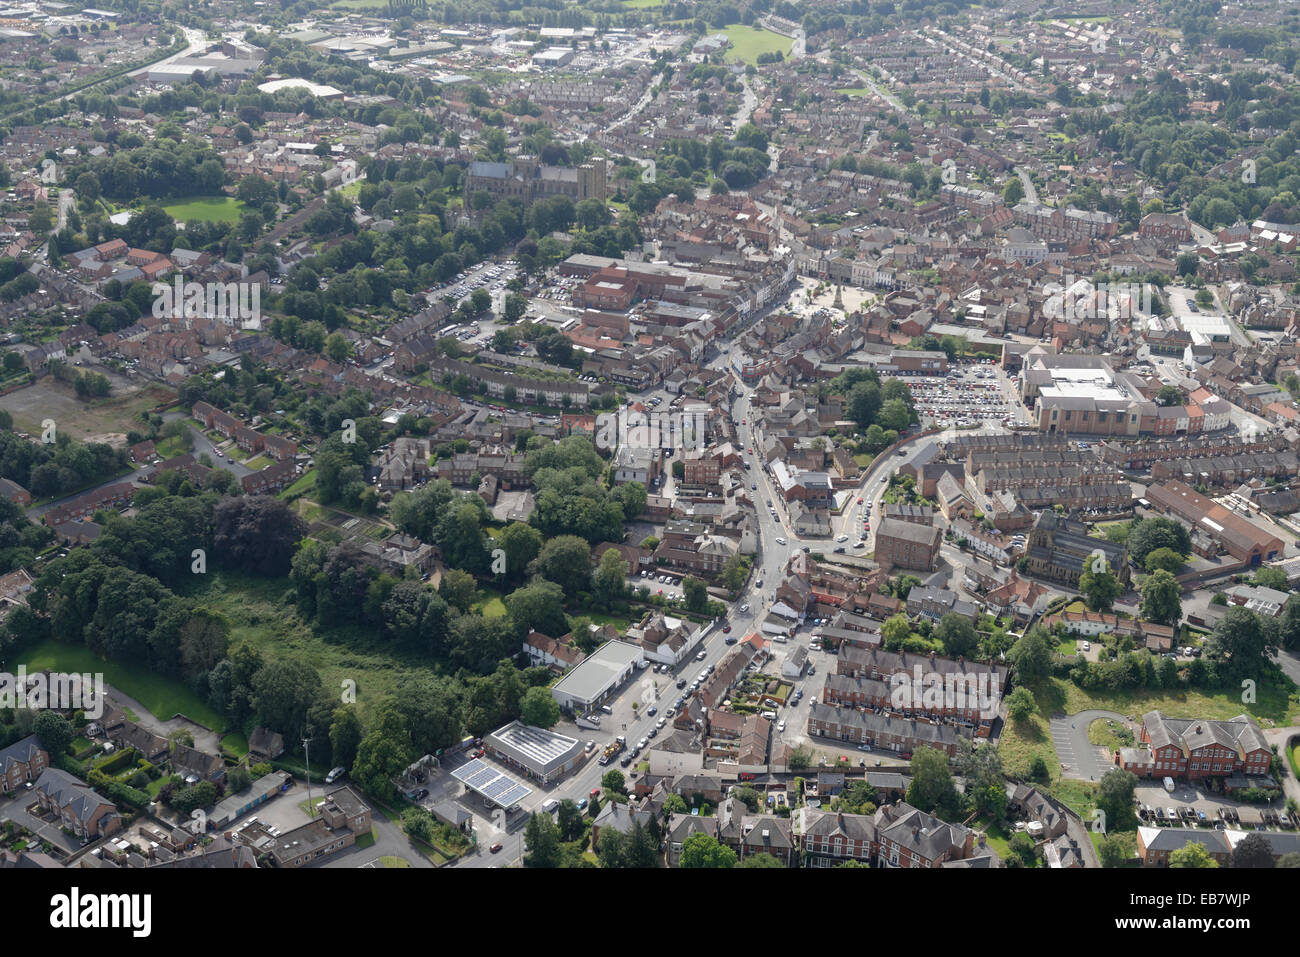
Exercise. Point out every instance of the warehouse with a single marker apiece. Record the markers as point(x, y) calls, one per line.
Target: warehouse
point(603, 671)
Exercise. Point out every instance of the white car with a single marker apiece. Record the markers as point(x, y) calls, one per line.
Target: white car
point(780, 727)
point(1087, 646)
point(781, 541)
point(744, 608)
point(841, 538)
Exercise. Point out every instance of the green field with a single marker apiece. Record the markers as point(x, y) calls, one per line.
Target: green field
point(260, 614)
point(642, 4)
point(213, 209)
point(161, 696)
point(748, 42)
point(855, 91)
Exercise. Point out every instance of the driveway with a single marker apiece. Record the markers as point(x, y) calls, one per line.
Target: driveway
point(1080, 758)
point(13, 810)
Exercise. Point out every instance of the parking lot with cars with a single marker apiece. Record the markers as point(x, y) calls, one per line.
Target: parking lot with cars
point(972, 393)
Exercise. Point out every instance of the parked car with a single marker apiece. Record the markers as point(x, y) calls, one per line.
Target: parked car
point(495, 847)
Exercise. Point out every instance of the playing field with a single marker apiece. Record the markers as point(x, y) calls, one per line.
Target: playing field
point(748, 42)
point(214, 209)
point(641, 4)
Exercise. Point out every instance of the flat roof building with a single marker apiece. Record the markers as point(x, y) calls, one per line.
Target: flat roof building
point(592, 681)
point(539, 753)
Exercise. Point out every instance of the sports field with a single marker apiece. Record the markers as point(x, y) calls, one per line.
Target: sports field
point(213, 209)
point(748, 42)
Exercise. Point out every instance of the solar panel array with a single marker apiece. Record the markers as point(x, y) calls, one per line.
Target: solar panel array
point(491, 782)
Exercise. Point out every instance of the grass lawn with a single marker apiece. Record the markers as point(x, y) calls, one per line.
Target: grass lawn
point(1023, 740)
point(212, 209)
point(1109, 734)
point(748, 42)
point(235, 743)
point(1068, 647)
point(161, 696)
point(257, 463)
point(169, 448)
point(304, 486)
point(854, 91)
point(492, 607)
point(642, 4)
point(1274, 706)
point(998, 837)
point(351, 190)
point(390, 861)
point(260, 615)
point(366, 840)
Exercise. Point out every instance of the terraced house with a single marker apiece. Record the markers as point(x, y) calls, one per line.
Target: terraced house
point(76, 806)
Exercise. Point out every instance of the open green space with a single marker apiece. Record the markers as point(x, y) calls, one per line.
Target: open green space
point(212, 209)
point(162, 696)
point(235, 743)
point(642, 4)
point(1273, 707)
point(748, 42)
point(260, 613)
point(389, 861)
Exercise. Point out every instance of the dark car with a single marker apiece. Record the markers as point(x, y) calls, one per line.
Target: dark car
point(681, 682)
point(419, 795)
point(730, 640)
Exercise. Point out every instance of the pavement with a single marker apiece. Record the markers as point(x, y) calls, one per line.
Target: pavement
point(1080, 758)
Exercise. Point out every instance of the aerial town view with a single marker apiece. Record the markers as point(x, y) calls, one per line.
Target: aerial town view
point(650, 434)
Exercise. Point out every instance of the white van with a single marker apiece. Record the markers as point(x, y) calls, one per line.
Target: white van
point(1169, 785)
point(550, 806)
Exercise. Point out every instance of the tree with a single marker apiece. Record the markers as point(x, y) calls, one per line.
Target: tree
point(257, 533)
point(384, 752)
point(958, 635)
point(458, 589)
point(539, 709)
point(703, 850)
point(1031, 655)
point(1192, 854)
point(611, 848)
point(610, 579)
point(1289, 860)
point(345, 736)
point(895, 630)
point(762, 859)
point(1116, 850)
point(1152, 533)
point(696, 593)
point(1025, 851)
point(55, 731)
point(284, 691)
point(514, 308)
point(1165, 558)
point(521, 544)
point(1021, 705)
point(1169, 395)
point(1253, 851)
point(932, 784)
point(1161, 598)
point(542, 838)
point(1099, 585)
point(1242, 641)
point(613, 782)
point(565, 560)
point(1270, 577)
point(1013, 192)
point(568, 818)
point(1115, 798)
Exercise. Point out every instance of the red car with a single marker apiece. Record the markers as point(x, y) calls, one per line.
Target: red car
point(595, 793)
point(495, 847)
point(478, 753)
point(726, 629)
point(859, 499)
